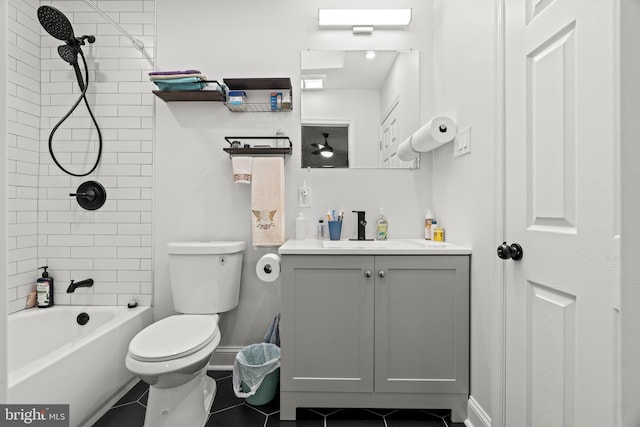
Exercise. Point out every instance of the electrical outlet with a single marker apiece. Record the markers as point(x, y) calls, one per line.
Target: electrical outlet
point(304, 197)
point(462, 143)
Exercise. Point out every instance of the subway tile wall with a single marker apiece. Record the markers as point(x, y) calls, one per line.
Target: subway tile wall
point(22, 141)
point(112, 245)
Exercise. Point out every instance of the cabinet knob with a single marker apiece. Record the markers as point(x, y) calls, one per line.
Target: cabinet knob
point(381, 273)
point(367, 274)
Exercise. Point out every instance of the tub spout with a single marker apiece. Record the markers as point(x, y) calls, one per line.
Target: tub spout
point(87, 283)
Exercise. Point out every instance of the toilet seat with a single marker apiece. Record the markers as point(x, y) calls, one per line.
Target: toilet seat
point(174, 337)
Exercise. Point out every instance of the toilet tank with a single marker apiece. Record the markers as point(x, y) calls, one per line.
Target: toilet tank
point(205, 276)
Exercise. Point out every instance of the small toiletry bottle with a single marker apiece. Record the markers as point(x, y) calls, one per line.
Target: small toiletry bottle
point(428, 223)
point(321, 229)
point(301, 226)
point(44, 287)
point(382, 228)
point(438, 234)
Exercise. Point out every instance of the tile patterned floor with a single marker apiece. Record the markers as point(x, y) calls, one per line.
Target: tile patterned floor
point(229, 411)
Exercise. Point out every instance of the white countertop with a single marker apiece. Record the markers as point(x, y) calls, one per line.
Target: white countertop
point(371, 247)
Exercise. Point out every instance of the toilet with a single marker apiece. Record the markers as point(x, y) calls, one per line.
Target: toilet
point(172, 354)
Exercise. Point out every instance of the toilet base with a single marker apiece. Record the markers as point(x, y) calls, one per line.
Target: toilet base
point(185, 405)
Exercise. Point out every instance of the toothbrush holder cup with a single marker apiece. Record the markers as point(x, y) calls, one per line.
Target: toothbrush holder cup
point(335, 229)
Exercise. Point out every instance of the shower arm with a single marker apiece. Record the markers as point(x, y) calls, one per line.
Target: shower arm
point(137, 43)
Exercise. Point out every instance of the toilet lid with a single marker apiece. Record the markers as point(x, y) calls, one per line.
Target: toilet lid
point(174, 337)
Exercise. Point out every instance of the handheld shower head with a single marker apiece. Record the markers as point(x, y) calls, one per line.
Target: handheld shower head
point(56, 23)
point(68, 53)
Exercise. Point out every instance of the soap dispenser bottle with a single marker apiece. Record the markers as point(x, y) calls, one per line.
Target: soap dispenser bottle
point(44, 288)
point(301, 227)
point(382, 227)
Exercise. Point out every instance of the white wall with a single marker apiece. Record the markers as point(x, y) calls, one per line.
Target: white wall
point(194, 194)
point(3, 201)
point(462, 187)
point(23, 132)
point(112, 245)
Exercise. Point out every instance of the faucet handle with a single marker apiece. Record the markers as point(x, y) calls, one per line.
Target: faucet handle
point(361, 215)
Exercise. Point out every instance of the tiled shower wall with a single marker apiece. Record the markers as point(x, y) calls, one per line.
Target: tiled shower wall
point(22, 139)
point(112, 245)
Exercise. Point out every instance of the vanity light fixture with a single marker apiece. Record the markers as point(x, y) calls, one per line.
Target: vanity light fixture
point(363, 21)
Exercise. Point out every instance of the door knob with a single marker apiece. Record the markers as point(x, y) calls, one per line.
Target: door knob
point(367, 274)
point(381, 273)
point(513, 251)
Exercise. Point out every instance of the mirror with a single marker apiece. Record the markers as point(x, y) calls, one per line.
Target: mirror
point(357, 107)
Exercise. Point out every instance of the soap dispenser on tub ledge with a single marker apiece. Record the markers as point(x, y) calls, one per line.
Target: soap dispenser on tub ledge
point(44, 287)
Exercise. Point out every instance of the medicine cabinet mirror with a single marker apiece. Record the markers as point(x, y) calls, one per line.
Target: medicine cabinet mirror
point(357, 107)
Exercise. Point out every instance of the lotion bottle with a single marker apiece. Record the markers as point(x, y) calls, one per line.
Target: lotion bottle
point(44, 287)
point(301, 226)
point(428, 222)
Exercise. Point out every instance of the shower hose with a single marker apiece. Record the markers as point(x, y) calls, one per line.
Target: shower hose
point(83, 86)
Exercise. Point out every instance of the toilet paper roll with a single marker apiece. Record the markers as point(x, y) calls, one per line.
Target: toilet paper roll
point(268, 268)
point(406, 152)
point(439, 130)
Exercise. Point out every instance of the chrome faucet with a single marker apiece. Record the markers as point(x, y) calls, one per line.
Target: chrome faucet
point(87, 283)
point(361, 224)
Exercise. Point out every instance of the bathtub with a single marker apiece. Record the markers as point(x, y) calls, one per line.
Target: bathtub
point(53, 359)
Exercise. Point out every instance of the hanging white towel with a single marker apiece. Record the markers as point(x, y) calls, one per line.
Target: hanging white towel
point(242, 169)
point(267, 201)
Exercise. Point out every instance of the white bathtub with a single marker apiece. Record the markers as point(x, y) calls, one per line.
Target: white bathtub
point(52, 359)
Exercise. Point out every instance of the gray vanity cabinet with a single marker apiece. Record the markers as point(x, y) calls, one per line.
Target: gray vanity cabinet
point(375, 331)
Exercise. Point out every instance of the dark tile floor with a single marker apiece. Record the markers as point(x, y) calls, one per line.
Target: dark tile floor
point(230, 411)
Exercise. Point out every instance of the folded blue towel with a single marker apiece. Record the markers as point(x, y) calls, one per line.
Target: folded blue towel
point(177, 80)
point(273, 332)
point(179, 86)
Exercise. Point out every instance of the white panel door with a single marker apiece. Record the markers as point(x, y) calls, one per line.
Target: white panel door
point(560, 186)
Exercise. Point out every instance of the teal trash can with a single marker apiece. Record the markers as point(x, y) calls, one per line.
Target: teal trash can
point(267, 390)
point(256, 373)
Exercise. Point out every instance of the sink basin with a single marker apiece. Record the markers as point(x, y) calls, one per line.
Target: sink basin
point(378, 244)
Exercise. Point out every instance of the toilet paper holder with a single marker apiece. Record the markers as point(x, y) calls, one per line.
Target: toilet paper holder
point(268, 268)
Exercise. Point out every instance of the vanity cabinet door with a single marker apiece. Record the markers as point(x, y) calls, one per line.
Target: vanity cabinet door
point(422, 324)
point(327, 323)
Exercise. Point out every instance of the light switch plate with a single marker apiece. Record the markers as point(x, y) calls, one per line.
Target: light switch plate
point(304, 200)
point(462, 143)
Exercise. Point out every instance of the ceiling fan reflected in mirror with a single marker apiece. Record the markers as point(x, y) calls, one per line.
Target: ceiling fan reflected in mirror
point(323, 149)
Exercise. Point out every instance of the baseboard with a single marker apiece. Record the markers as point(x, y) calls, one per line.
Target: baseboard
point(108, 404)
point(223, 358)
point(476, 416)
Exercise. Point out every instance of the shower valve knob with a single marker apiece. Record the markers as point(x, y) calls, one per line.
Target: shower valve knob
point(90, 195)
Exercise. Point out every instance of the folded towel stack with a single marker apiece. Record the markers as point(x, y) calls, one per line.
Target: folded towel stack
point(178, 80)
